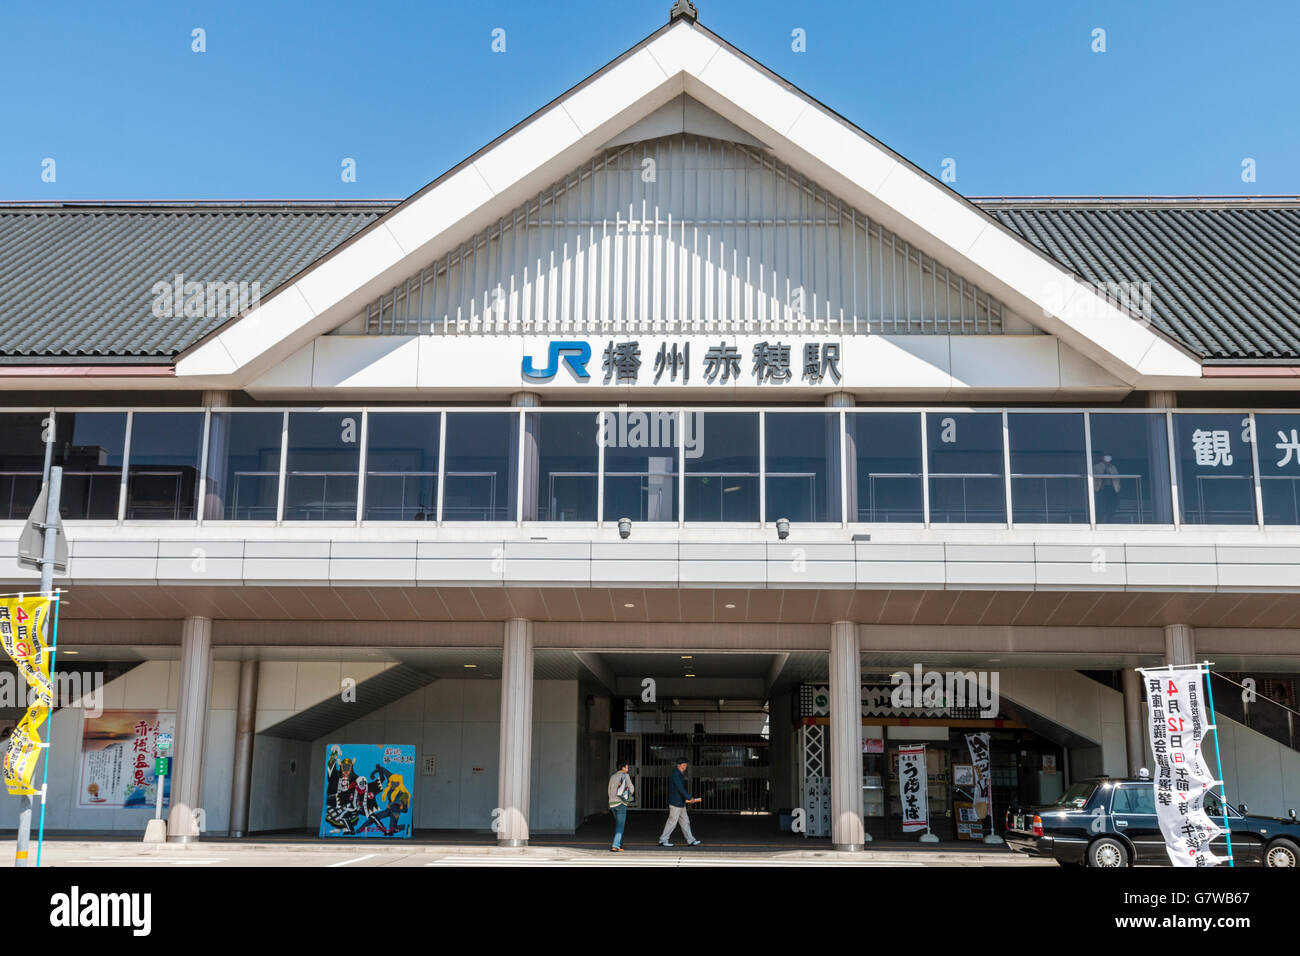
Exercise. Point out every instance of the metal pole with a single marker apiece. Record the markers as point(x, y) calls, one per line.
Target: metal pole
point(1218, 757)
point(45, 767)
point(49, 536)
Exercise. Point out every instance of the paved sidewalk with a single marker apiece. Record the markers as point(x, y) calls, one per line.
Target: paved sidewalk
point(221, 852)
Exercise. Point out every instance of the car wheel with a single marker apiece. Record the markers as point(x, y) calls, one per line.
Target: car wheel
point(1108, 852)
point(1282, 852)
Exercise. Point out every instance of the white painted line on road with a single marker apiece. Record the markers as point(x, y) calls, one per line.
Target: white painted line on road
point(669, 861)
point(354, 860)
point(148, 859)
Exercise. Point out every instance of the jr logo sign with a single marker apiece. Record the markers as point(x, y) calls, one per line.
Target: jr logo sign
point(575, 354)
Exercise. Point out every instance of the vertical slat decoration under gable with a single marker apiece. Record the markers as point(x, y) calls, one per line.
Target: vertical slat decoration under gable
point(684, 234)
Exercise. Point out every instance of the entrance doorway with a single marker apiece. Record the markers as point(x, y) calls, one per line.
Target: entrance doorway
point(730, 772)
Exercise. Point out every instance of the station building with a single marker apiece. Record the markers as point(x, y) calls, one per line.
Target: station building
point(649, 432)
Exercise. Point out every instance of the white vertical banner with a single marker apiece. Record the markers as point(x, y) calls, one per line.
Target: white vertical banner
point(1177, 721)
point(913, 788)
point(978, 745)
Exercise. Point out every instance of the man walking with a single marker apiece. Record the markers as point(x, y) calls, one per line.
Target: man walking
point(620, 795)
point(678, 798)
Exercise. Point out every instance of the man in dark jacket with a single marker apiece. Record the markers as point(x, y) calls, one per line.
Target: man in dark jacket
point(678, 797)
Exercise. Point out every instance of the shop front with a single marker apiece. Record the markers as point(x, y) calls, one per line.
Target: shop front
point(971, 763)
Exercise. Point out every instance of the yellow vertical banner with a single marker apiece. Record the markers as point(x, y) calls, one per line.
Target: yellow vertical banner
point(22, 633)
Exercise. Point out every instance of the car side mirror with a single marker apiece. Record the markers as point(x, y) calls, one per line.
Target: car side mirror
point(1243, 808)
point(1291, 814)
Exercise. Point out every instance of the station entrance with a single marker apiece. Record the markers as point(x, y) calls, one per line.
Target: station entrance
point(731, 771)
point(753, 726)
point(758, 754)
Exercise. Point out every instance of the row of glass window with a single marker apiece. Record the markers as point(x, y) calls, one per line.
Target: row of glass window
point(938, 466)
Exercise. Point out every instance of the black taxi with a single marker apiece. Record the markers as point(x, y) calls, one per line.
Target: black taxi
point(1111, 821)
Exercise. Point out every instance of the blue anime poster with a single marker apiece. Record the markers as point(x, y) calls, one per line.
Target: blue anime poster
point(367, 790)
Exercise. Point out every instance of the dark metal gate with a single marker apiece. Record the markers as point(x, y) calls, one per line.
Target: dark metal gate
point(732, 773)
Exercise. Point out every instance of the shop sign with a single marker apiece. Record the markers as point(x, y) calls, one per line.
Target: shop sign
point(978, 745)
point(932, 694)
point(912, 789)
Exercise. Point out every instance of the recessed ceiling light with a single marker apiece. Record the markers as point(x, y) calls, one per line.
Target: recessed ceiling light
point(471, 665)
point(729, 606)
point(72, 652)
point(690, 675)
point(686, 657)
point(629, 605)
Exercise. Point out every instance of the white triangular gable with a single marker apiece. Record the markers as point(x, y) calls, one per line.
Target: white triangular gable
point(685, 58)
point(684, 115)
point(684, 233)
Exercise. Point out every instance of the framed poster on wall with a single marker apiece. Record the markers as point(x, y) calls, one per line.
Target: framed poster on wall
point(367, 790)
point(117, 759)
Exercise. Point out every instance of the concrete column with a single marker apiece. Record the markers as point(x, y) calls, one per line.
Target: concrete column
point(1180, 644)
point(844, 400)
point(1135, 739)
point(241, 778)
point(847, 832)
point(532, 436)
point(191, 729)
point(213, 492)
point(514, 766)
point(217, 398)
point(1158, 453)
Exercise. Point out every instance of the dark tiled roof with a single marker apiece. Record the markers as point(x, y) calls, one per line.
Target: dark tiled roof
point(75, 281)
point(1224, 273)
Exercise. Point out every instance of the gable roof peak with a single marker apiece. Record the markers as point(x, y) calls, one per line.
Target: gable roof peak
point(683, 10)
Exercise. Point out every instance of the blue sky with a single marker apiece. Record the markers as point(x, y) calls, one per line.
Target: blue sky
point(1012, 91)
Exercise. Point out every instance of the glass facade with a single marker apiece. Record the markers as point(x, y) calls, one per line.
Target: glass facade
point(1130, 469)
point(482, 449)
point(884, 453)
point(967, 475)
point(642, 449)
point(163, 478)
point(566, 455)
point(1049, 468)
point(243, 477)
point(1216, 476)
point(1279, 467)
point(402, 466)
point(22, 460)
point(721, 466)
point(321, 466)
point(666, 465)
point(90, 446)
point(803, 466)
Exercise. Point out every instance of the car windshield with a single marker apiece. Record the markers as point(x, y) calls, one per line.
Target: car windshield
point(1077, 796)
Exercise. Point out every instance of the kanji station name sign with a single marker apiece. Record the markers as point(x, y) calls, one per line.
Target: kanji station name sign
point(670, 361)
